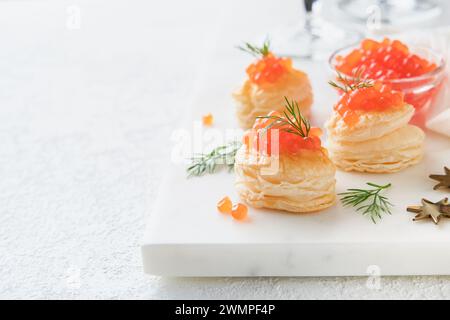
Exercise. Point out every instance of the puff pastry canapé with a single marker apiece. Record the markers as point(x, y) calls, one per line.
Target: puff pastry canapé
point(299, 178)
point(377, 140)
point(269, 79)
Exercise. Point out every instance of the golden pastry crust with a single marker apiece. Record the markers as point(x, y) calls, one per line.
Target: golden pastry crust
point(299, 183)
point(371, 125)
point(258, 100)
point(387, 154)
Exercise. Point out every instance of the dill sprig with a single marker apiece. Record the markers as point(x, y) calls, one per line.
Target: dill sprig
point(293, 118)
point(368, 201)
point(263, 51)
point(209, 162)
point(346, 84)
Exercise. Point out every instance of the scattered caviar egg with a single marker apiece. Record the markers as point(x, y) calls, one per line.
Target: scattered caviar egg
point(268, 69)
point(208, 119)
point(383, 60)
point(224, 205)
point(378, 98)
point(261, 139)
point(239, 211)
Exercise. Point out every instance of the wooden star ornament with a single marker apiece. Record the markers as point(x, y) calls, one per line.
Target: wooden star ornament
point(443, 179)
point(433, 210)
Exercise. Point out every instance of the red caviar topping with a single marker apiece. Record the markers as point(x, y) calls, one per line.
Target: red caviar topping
point(268, 69)
point(294, 135)
point(383, 60)
point(376, 97)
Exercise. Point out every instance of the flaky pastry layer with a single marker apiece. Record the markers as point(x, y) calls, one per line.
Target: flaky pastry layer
point(295, 183)
point(371, 125)
point(258, 100)
point(390, 153)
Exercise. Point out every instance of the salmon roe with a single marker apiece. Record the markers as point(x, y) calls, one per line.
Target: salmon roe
point(383, 60)
point(239, 211)
point(208, 119)
point(260, 139)
point(225, 205)
point(379, 97)
point(268, 69)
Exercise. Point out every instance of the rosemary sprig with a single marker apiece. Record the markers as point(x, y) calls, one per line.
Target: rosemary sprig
point(209, 162)
point(293, 118)
point(263, 51)
point(369, 202)
point(346, 85)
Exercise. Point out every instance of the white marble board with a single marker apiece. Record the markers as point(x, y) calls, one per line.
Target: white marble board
point(186, 236)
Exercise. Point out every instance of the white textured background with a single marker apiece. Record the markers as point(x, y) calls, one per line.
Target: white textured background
point(86, 110)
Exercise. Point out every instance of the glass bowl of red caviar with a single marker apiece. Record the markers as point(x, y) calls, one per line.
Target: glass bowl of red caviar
point(417, 72)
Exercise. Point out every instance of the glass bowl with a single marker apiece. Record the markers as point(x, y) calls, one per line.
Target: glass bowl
point(420, 91)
